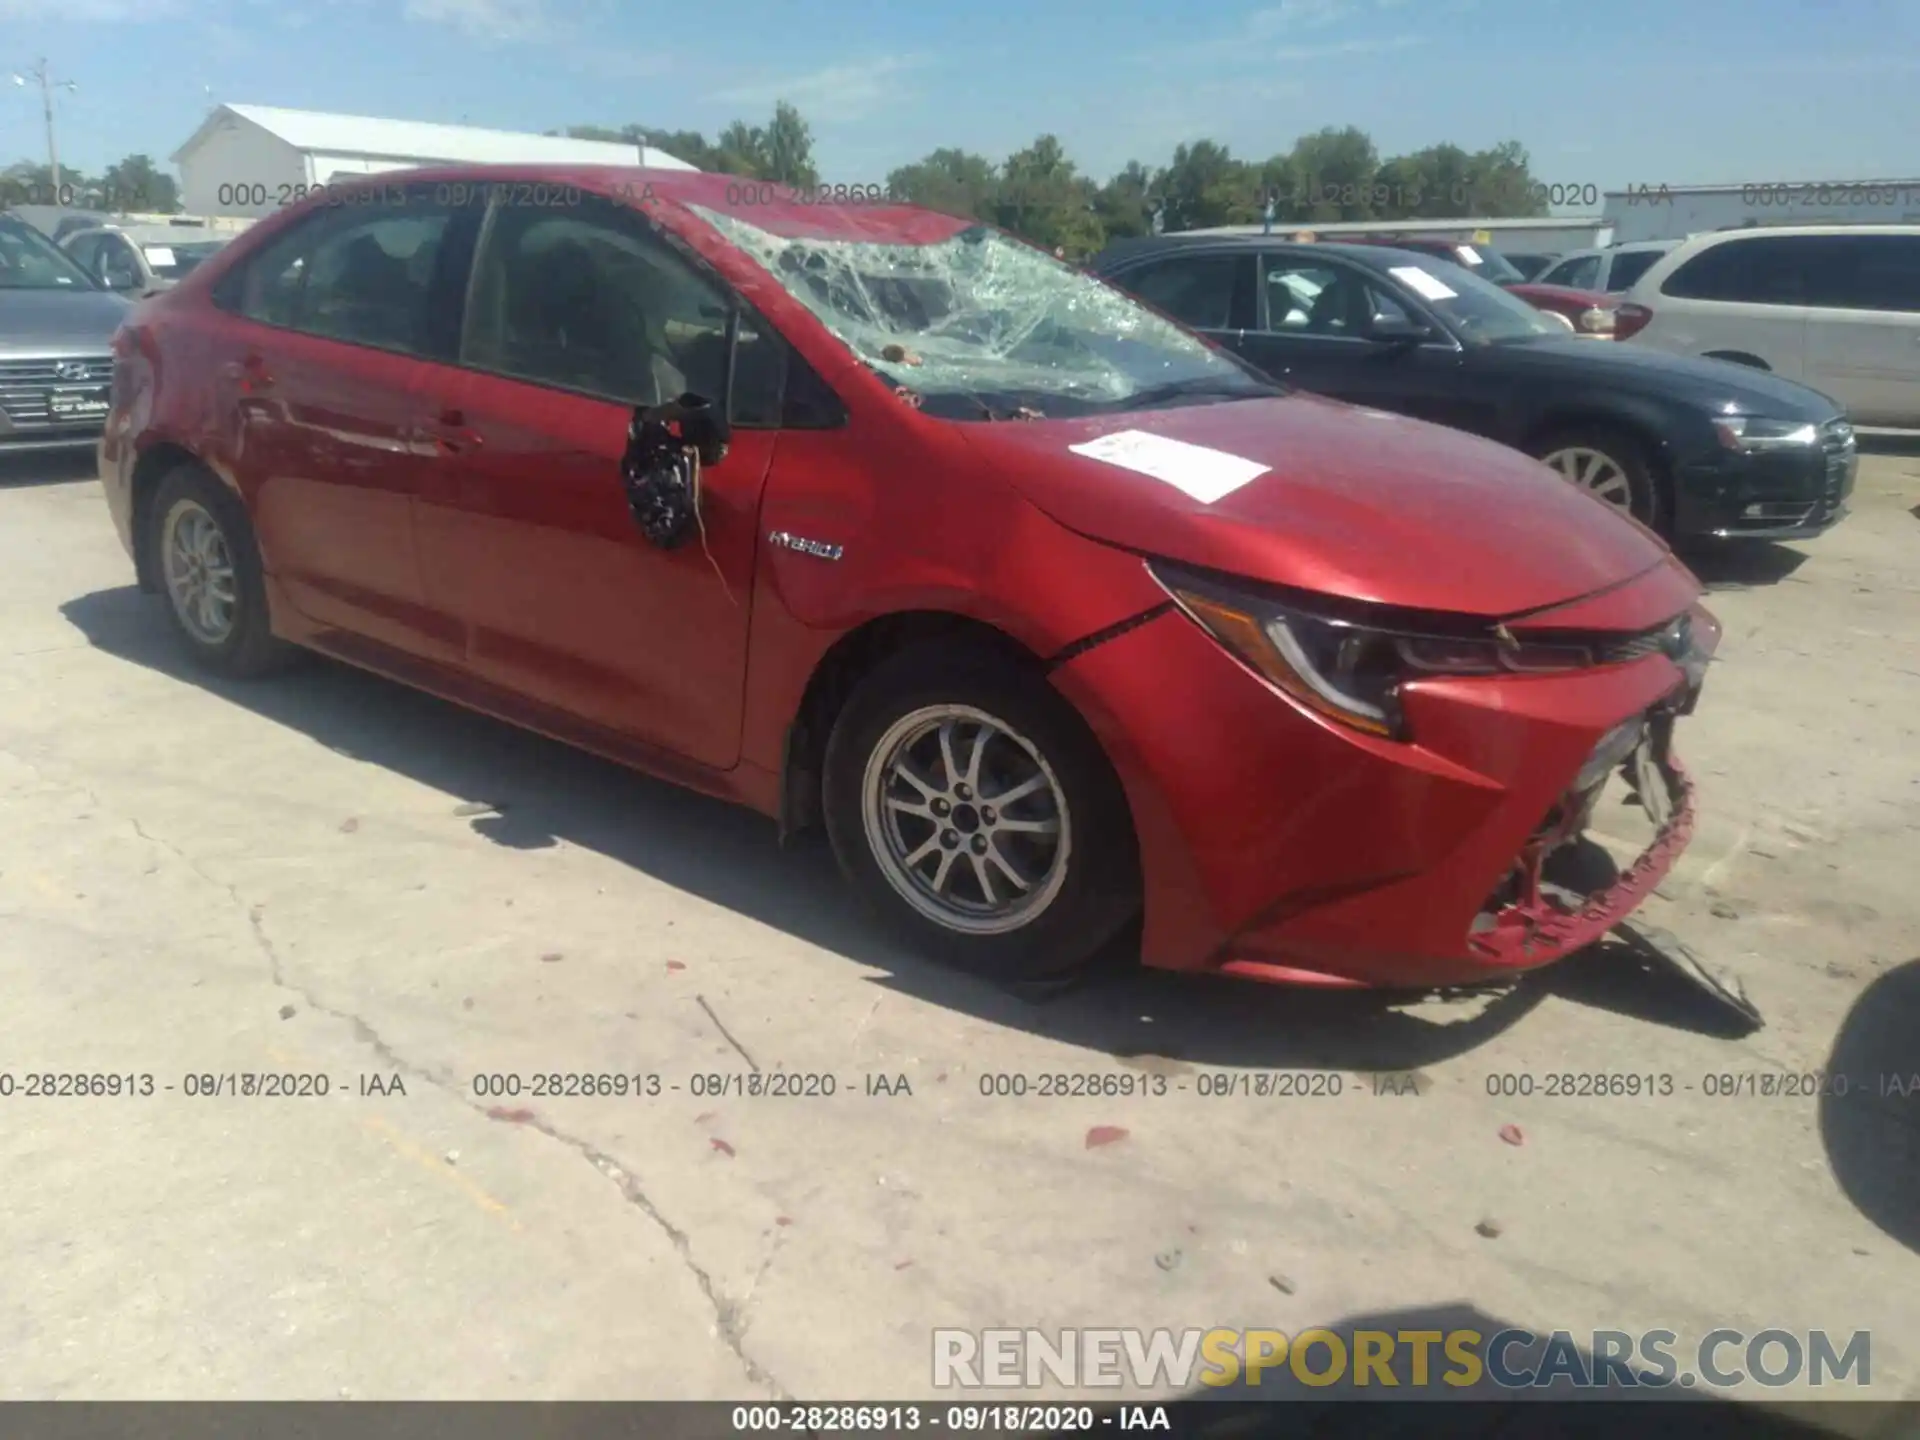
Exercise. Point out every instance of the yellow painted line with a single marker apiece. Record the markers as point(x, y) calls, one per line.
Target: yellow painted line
point(420, 1156)
point(440, 1167)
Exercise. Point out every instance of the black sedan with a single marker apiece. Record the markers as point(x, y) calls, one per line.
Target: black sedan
point(1690, 447)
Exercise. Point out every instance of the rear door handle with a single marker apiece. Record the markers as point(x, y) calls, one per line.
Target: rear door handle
point(251, 372)
point(451, 434)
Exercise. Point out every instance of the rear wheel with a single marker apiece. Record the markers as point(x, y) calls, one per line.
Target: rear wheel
point(209, 571)
point(973, 810)
point(1607, 464)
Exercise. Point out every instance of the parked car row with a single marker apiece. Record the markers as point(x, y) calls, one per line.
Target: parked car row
point(1407, 332)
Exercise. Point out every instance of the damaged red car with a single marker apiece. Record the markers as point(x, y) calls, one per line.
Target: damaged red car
point(1062, 622)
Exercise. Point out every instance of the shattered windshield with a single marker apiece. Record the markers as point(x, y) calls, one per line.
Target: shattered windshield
point(981, 326)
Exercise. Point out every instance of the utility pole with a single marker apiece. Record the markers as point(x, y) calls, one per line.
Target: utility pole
point(42, 75)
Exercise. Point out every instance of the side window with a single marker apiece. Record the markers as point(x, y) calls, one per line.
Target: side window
point(1628, 268)
point(1766, 270)
point(1580, 273)
point(1196, 290)
point(371, 281)
point(117, 261)
point(1292, 291)
point(363, 273)
point(1311, 298)
point(86, 253)
point(588, 299)
point(1865, 272)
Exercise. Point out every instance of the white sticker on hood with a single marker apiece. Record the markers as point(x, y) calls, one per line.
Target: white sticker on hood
point(1414, 278)
point(1206, 475)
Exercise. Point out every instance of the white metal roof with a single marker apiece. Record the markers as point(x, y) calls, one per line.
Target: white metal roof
point(342, 137)
point(1800, 189)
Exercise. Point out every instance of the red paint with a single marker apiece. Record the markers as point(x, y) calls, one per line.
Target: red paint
point(1105, 1135)
point(722, 1146)
point(505, 575)
point(511, 1117)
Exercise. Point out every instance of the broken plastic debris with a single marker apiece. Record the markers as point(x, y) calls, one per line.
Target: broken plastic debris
point(1723, 985)
point(1105, 1135)
point(475, 807)
point(1513, 1135)
point(512, 1117)
point(676, 965)
point(722, 1146)
point(1490, 1228)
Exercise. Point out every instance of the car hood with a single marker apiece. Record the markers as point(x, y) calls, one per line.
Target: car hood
point(1355, 503)
point(1715, 385)
point(68, 322)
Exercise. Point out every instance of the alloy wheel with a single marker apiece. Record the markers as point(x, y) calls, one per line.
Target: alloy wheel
point(202, 583)
point(966, 819)
point(1594, 471)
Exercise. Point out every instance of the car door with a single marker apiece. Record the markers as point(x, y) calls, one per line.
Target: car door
point(574, 316)
point(1211, 292)
point(322, 377)
point(1863, 325)
point(1743, 297)
point(1316, 320)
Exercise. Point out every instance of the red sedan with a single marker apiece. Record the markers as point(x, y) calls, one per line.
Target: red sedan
point(1055, 616)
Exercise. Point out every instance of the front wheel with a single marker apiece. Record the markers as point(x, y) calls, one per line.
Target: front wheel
point(1608, 465)
point(972, 808)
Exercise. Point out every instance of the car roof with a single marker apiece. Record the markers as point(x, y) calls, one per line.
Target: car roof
point(1743, 232)
point(790, 212)
point(1367, 253)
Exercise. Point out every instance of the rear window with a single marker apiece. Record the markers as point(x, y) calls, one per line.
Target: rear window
point(1866, 272)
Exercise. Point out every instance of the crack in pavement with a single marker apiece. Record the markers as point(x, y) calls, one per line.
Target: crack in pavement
point(729, 1318)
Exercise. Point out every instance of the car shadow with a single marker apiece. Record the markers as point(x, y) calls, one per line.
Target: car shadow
point(1741, 564)
point(49, 467)
point(1593, 1398)
point(1872, 1132)
point(525, 792)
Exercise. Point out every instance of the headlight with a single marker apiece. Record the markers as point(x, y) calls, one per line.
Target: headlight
point(1753, 432)
point(1347, 670)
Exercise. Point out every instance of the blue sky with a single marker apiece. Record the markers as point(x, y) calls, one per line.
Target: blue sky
point(1607, 92)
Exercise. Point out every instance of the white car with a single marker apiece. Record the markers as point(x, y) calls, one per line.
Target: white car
point(1836, 307)
point(1610, 270)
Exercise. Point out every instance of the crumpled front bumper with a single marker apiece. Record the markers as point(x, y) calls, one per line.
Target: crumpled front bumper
point(1540, 927)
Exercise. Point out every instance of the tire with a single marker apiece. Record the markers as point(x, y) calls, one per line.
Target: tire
point(1614, 465)
point(234, 638)
point(1081, 877)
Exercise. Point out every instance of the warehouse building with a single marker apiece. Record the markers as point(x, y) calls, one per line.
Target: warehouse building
point(1673, 212)
point(250, 160)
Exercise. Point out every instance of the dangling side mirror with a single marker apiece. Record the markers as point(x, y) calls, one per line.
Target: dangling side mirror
point(667, 448)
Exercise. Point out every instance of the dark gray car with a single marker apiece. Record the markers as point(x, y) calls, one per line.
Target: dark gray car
point(56, 358)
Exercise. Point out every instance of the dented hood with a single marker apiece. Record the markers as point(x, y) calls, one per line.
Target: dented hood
point(1352, 502)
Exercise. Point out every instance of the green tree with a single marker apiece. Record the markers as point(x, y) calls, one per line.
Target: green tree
point(136, 183)
point(1205, 186)
point(1503, 183)
point(954, 182)
point(1123, 204)
point(786, 148)
point(1334, 171)
point(1043, 198)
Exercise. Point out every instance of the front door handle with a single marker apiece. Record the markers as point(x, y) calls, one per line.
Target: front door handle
point(251, 373)
point(451, 434)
